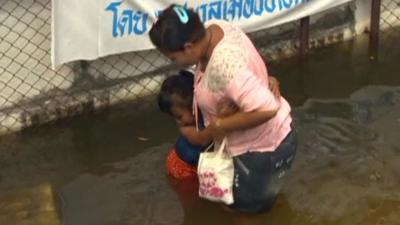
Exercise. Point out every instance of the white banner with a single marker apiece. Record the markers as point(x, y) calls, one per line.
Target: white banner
point(88, 29)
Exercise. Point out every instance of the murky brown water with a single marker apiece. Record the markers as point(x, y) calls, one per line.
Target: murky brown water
point(108, 169)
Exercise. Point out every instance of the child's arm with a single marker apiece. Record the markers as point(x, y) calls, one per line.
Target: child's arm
point(201, 137)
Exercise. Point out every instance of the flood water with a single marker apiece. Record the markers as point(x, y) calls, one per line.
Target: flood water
point(108, 169)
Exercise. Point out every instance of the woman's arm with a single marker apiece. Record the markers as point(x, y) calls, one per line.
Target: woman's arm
point(242, 120)
point(220, 127)
point(224, 124)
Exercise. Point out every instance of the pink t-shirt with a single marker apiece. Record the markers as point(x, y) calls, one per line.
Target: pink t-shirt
point(237, 72)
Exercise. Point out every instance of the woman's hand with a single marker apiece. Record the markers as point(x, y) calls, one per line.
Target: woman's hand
point(274, 86)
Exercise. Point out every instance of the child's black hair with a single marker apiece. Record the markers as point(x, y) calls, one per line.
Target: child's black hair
point(170, 33)
point(176, 90)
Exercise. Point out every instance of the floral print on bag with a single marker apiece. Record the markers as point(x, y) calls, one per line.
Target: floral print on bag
point(208, 185)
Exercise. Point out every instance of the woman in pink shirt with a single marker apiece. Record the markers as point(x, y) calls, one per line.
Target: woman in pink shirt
point(228, 67)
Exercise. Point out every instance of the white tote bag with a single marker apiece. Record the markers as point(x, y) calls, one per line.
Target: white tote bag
point(215, 171)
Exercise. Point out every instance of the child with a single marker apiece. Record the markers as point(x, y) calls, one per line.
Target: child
point(176, 99)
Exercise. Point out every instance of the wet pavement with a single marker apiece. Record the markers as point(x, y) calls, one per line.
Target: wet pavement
point(108, 169)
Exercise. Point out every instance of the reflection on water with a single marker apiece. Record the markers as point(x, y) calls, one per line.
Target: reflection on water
point(97, 171)
point(347, 164)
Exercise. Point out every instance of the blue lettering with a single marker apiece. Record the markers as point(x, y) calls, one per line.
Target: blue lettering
point(127, 17)
point(133, 22)
point(114, 8)
point(248, 8)
point(202, 11)
point(140, 17)
point(235, 9)
point(225, 12)
point(270, 7)
point(287, 3)
point(280, 4)
point(215, 10)
point(258, 7)
point(129, 20)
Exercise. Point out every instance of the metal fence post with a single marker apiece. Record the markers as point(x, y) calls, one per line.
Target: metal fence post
point(304, 36)
point(374, 29)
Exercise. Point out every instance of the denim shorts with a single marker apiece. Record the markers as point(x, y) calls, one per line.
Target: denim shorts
point(259, 175)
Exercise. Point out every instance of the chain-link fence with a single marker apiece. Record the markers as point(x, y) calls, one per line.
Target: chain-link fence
point(25, 72)
point(32, 93)
point(389, 27)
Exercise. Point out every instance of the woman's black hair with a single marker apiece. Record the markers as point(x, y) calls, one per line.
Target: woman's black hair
point(170, 33)
point(176, 90)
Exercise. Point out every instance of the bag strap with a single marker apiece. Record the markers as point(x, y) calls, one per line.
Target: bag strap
point(239, 162)
point(222, 147)
point(209, 147)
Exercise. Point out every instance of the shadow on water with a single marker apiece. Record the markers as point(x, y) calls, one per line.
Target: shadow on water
point(109, 168)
